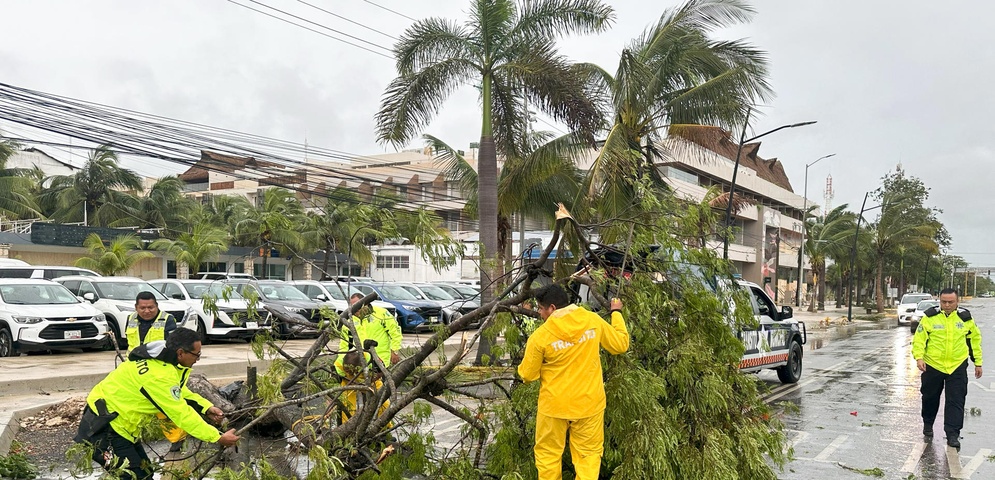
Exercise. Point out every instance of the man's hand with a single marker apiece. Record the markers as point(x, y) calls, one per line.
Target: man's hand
point(616, 304)
point(228, 438)
point(394, 358)
point(215, 414)
point(977, 371)
point(921, 364)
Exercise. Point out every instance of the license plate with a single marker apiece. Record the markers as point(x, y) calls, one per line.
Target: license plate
point(72, 334)
point(251, 325)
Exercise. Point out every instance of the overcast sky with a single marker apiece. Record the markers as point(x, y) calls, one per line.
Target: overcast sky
point(889, 82)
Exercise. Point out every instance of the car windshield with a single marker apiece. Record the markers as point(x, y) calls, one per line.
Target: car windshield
point(125, 290)
point(915, 298)
point(435, 293)
point(282, 292)
point(337, 291)
point(925, 304)
point(468, 292)
point(394, 292)
point(37, 295)
point(216, 290)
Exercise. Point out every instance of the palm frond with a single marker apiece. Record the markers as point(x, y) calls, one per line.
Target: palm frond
point(411, 100)
point(559, 18)
point(430, 41)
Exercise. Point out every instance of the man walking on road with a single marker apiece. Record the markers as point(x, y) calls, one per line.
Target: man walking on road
point(153, 382)
point(148, 323)
point(942, 344)
point(564, 354)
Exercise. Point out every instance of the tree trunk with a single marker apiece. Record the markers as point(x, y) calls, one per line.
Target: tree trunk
point(324, 263)
point(839, 292)
point(199, 384)
point(487, 207)
point(879, 284)
point(822, 287)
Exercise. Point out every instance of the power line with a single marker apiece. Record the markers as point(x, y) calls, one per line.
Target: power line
point(313, 30)
point(395, 12)
point(348, 20)
point(257, 2)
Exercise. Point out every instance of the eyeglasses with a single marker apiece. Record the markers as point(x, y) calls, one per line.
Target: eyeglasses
point(196, 354)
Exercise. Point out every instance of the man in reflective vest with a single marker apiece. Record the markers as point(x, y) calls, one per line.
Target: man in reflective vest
point(148, 323)
point(372, 323)
point(945, 339)
point(153, 382)
point(564, 354)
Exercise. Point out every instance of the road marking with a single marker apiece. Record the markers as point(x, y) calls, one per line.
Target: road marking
point(826, 452)
point(975, 462)
point(978, 384)
point(914, 456)
point(800, 437)
point(786, 391)
point(867, 379)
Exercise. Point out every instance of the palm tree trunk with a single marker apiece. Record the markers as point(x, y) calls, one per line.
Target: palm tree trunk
point(324, 262)
point(487, 209)
point(879, 284)
point(822, 286)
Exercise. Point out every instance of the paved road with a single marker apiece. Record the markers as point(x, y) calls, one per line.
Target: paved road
point(858, 407)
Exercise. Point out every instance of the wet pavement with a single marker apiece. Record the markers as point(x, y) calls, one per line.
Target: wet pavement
point(858, 407)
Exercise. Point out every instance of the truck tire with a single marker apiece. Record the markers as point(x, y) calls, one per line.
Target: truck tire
point(792, 372)
point(7, 343)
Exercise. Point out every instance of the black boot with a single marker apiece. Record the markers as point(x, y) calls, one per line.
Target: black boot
point(927, 431)
point(953, 442)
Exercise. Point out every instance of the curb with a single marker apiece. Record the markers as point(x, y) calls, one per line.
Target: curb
point(8, 430)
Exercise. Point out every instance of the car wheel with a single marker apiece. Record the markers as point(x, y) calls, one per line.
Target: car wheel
point(913, 325)
point(122, 342)
point(202, 332)
point(7, 343)
point(792, 372)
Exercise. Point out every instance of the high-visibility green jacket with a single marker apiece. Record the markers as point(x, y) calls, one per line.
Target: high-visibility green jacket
point(379, 325)
point(144, 386)
point(945, 341)
point(162, 325)
point(564, 354)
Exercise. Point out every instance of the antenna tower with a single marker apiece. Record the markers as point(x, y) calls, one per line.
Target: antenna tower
point(828, 194)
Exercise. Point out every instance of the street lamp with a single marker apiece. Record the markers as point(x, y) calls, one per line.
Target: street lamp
point(853, 257)
point(735, 170)
point(801, 252)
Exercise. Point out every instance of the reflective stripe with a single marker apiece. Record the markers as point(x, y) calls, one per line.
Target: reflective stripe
point(756, 362)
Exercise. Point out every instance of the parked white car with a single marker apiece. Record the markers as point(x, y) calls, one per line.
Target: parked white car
point(115, 297)
point(907, 306)
point(43, 315)
point(336, 296)
point(232, 320)
point(921, 312)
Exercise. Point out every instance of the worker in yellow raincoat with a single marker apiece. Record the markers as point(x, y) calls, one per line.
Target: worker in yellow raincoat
point(372, 323)
point(564, 354)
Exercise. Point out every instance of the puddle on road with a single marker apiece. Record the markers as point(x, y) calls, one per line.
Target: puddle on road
point(823, 337)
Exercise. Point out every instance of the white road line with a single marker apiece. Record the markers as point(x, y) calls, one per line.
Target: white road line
point(973, 465)
point(826, 452)
point(786, 391)
point(953, 462)
point(798, 438)
point(914, 456)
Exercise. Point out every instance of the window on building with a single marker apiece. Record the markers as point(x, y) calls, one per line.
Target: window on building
point(678, 174)
point(276, 271)
point(392, 261)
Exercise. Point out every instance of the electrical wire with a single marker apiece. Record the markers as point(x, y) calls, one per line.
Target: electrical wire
point(391, 11)
point(348, 20)
point(312, 30)
point(261, 4)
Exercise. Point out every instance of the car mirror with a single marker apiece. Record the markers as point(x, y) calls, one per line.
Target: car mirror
point(321, 296)
point(786, 312)
point(90, 297)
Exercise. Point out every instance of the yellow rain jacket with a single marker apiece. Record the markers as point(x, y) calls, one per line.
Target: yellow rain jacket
point(139, 389)
point(379, 325)
point(945, 341)
point(564, 354)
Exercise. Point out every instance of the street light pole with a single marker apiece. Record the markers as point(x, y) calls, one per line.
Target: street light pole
point(801, 252)
point(853, 257)
point(735, 170)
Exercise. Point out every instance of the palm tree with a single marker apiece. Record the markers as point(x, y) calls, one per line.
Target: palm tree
point(530, 185)
point(16, 199)
point(508, 50)
point(344, 226)
point(272, 223)
point(204, 243)
point(828, 237)
point(115, 258)
point(673, 79)
point(96, 194)
point(164, 207)
point(892, 230)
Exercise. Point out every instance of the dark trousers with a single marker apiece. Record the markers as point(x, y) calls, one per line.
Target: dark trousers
point(933, 383)
point(122, 448)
